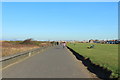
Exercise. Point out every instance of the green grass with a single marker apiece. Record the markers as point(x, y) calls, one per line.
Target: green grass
point(105, 55)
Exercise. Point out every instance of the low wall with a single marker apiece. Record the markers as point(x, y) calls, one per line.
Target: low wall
point(5, 61)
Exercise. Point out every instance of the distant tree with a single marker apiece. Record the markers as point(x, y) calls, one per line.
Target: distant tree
point(27, 41)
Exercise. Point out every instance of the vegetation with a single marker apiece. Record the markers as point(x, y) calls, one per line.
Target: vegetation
point(105, 55)
point(13, 47)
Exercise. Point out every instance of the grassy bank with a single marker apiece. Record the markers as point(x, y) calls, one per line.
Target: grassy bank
point(13, 47)
point(105, 55)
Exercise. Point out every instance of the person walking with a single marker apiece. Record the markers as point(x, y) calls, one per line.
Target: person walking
point(57, 43)
point(64, 44)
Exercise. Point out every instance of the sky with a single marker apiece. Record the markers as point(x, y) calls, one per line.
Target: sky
point(60, 0)
point(59, 20)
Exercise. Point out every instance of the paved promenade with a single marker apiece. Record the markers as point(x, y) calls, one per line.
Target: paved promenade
point(55, 62)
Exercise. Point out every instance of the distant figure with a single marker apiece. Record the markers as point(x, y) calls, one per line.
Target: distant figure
point(89, 47)
point(57, 43)
point(64, 44)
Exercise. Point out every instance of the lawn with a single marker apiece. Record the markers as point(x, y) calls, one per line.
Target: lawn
point(105, 55)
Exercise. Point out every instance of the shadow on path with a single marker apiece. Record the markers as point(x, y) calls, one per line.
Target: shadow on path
point(100, 72)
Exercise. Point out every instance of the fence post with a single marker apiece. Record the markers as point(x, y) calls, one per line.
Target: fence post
point(29, 53)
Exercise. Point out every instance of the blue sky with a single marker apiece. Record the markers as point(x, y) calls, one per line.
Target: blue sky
point(60, 20)
point(60, 0)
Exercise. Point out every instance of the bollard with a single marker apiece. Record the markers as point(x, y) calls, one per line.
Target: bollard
point(29, 53)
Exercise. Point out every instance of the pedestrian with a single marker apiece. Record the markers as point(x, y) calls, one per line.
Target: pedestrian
point(57, 43)
point(64, 44)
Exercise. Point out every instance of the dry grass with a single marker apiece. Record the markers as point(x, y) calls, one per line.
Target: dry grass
point(9, 48)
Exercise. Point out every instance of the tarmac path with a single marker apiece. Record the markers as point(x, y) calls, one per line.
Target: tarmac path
point(55, 62)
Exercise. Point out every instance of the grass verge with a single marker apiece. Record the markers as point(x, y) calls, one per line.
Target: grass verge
point(105, 55)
